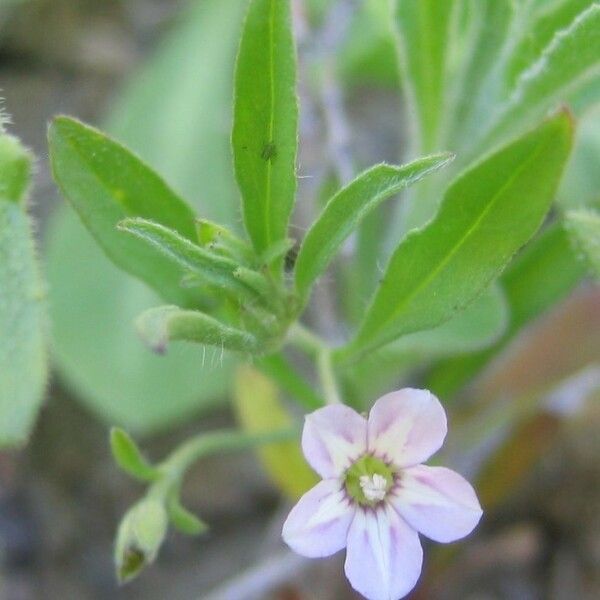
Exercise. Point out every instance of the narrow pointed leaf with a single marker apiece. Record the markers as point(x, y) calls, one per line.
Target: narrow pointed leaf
point(265, 132)
point(584, 229)
point(217, 270)
point(158, 326)
point(570, 60)
point(346, 209)
point(539, 34)
point(487, 214)
point(105, 183)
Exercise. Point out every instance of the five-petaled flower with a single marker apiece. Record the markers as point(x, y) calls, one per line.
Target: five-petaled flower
point(376, 496)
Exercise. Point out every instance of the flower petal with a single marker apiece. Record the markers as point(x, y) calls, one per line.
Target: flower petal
point(437, 502)
point(317, 526)
point(384, 555)
point(407, 426)
point(333, 437)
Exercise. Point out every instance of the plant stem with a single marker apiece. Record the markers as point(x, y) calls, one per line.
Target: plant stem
point(327, 376)
point(320, 352)
point(180, 460)
point(304, 339)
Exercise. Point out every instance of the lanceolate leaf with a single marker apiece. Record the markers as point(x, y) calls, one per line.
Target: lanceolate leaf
point(265, 121)
point(105, 183)
point(539, 34)
point(423, 30)
point(212, 268)
point(344, 212)
point(584, 229)
point(486, 216)
point(23, 326)
point(158, 326)
point(571, 59)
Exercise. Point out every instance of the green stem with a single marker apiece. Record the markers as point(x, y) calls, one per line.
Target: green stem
point(327, 376)
point(320, 352)
point(307, 341)
point(174, 467)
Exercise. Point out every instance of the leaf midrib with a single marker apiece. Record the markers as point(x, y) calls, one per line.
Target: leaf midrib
point(271, 128)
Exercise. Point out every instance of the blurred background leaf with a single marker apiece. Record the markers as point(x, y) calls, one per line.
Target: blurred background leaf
point(176, 114)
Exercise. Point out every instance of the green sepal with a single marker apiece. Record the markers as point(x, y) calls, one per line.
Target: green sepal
point(182, 519)
point(129, 457)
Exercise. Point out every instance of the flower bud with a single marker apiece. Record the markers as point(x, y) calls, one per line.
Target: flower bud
point(139, 538)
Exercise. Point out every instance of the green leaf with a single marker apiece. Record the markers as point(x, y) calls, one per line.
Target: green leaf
point(212, 268)
point(158, 326)
point(259, 410)
point(584, 229)
point(23, 323)
point(475, 328)
point(265, 119)
point(539, 34)
point(570, 60)
point(106, 183)
point(540, 276)
point(129, 457)
point(487, 214)
point(423, 34)
point(187, 86)
point(184, 520)
point(346, 209)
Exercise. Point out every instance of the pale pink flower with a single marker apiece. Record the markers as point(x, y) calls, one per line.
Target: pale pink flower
point(376, 496)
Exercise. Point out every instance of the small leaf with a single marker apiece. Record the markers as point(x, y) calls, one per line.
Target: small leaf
point(184, 520)
point(212, 268)
point(220, 240)
point(105, 183)
point(158, 326)
point(488, 213)
point(584, 229)
point(265, 119)
point(23, 320)
point(259, 410)
point(129, 457)
point(346, 209)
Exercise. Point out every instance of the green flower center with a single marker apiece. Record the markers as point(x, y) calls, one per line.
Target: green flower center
point(369, 480)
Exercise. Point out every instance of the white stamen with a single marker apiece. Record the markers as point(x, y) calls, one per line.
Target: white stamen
point(373, 487)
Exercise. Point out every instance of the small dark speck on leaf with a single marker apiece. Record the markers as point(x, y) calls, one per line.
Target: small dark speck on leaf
point(269, 151)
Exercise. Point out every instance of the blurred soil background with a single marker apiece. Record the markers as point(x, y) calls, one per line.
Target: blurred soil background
point(61, 498)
